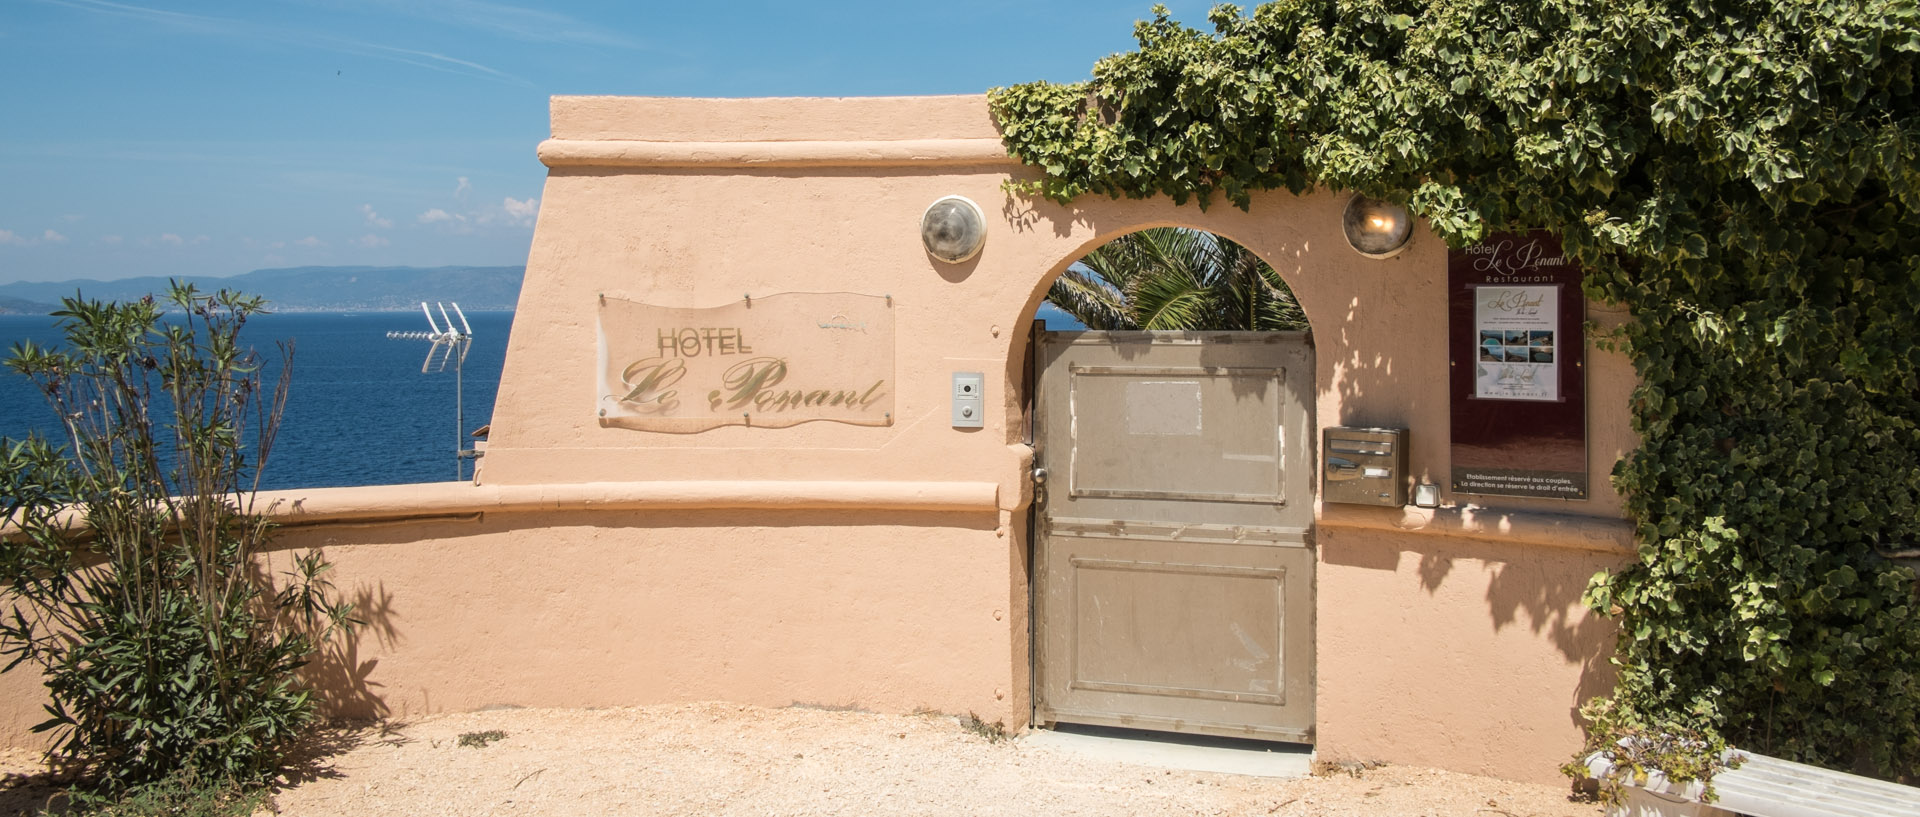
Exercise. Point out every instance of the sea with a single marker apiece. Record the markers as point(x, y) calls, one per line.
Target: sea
point(359, 412)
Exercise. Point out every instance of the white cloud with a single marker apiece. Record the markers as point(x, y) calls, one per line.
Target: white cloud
point(433, 61)
point(7, 237)
point(510, 211)
point(521, 212)
point(252, 32)
point(170, 238)
point(52, 237)
point(531, 24)
point(462, 188)
point(310, 242)
point(200, 239)
point(112, 240)
point(370, 240)
point(374, 219)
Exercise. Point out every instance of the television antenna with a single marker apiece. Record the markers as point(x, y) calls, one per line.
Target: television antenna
point(450, 345)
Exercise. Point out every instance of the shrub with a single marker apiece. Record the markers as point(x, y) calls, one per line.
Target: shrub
point(129, 572)
point(1637, 750)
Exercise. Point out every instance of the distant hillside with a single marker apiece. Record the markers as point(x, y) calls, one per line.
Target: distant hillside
point(21, 306)
point(305, 289)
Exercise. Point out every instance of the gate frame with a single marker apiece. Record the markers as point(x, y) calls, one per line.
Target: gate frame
point(1306, 471)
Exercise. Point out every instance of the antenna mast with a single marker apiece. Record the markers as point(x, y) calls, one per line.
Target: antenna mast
point(449, 345)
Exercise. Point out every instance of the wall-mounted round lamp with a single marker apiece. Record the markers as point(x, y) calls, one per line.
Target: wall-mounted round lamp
point(1375, 228)
point(953, 228)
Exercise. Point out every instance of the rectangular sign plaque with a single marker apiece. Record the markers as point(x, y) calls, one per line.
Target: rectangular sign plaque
point(774, 361)
point(1518, 386)
point(1515, 328)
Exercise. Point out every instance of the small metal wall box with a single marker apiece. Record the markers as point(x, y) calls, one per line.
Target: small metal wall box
point(1365, 466)
point(969, 400)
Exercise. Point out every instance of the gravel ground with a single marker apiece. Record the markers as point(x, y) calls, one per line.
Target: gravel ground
point(728, 759)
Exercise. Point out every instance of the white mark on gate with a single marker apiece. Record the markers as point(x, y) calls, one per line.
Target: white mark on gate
point(1258, 653)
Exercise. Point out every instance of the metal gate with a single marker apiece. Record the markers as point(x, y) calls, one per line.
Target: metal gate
point(1173, 547)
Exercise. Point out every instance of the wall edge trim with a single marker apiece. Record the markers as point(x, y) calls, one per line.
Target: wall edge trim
point(441, 498)
point(1566, 531)
point(440, 501)
point(556, 153)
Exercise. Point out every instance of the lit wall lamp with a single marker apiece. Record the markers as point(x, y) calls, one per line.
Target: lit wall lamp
point(1375, 228)
point(953, 229)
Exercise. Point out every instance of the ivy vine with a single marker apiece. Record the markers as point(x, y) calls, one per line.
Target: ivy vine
point(1742, 175)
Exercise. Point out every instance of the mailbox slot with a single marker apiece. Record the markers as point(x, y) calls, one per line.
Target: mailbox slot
point(1365, 466)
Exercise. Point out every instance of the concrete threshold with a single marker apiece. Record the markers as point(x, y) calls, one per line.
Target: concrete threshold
point(1166, 750)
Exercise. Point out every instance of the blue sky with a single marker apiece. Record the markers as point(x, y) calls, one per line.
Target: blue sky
point(213, 138)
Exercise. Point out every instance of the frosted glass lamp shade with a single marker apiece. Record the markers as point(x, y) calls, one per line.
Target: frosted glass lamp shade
point(1375, 228)
point(953, 229)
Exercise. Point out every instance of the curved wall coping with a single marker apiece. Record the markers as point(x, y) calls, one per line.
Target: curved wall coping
point(445, 498)
point(901, 152)
point(1513, 527)
point(439, 500)
point(442, 499)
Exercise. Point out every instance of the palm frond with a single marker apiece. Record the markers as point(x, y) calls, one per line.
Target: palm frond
point(1279, 310)
point(1170, 301)
point(1090, 299)
point(1176, 278)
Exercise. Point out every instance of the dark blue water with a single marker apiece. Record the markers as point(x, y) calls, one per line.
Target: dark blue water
point(360, 412)
point(1056, 319)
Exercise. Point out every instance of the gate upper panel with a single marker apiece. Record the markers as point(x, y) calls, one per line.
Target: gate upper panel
point(1203, 433)
point(778, 360)
point(1177, 433)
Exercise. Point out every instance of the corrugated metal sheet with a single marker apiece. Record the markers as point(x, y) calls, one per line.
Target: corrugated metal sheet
point(1770, 787)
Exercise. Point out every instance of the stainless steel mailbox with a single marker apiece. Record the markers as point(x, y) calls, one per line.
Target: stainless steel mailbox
point(1365, 466)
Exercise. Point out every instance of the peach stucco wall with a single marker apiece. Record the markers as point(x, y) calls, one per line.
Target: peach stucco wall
point(1451, 638)
point(620, 607)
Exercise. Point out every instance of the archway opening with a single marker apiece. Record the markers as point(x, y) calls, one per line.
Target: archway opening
point(1171, 279)
point(1171, 557)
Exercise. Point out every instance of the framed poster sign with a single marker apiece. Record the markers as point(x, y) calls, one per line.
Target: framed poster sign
point(1518, 385)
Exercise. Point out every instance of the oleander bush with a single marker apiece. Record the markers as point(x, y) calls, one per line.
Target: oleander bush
point(129, 570)
point(1743, 176)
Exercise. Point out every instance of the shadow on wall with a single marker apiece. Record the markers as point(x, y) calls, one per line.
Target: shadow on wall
point(340, 677)
point(1546, 597)
point(42, 792)
point(1534, 586)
